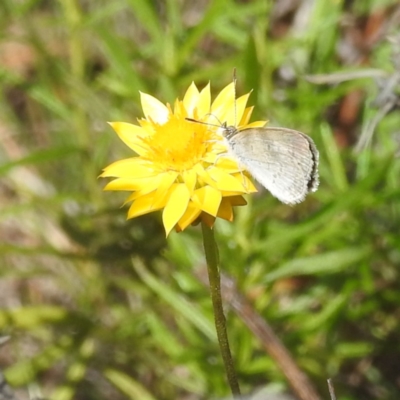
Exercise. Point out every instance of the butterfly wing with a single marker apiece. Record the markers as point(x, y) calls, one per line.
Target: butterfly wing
point(284, 161)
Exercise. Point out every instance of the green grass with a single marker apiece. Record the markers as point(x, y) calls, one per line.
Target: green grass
point(98, 307)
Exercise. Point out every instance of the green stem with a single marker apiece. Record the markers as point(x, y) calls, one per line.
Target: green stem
point(73, 15)
point(211, 251)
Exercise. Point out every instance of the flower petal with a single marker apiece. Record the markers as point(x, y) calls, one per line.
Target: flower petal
point(225, 99)
point(153, 109)
point(218, 151)
point(150, 186)
point(208, 199)
point(201, 172)
point(159, 187)
point(257, 124)
point(225, 181)
point(208, 219)
point(176, 206)
point(237, 201)
point(191, 214)
point(190, 179)
point(127, 184)
point(131, 135)
point(240, 107)
point(191, 98)
point(247, 183)
point(232, 113)
point(141, 206)
point(204, 102)
point(227, 164)
point(164, 186)
point(246, 116)
point(145, 185)
point(130, 168)
point(148, 126)
point(225, 211)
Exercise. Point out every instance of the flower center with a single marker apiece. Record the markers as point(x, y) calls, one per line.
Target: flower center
point(178, 144)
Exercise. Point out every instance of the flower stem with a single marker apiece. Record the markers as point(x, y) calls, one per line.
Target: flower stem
point(211, 251)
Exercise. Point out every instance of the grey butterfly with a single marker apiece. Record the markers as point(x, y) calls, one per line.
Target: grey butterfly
point(283, 160)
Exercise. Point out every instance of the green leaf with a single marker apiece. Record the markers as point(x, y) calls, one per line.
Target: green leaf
point(331, 262)
point(41, 156)
point(176, 301)
point(127, 385)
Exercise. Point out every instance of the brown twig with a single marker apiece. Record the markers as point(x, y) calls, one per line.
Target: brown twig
point(299, 382)
point(331, 389)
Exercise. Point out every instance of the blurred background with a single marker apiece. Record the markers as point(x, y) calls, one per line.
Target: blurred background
point(96, 307)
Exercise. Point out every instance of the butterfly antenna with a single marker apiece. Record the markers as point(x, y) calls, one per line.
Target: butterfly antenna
point(201, 122)
point(214, 116)
point(234, 94)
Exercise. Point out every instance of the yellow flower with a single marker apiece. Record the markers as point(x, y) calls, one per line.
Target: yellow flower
point(177, 167)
